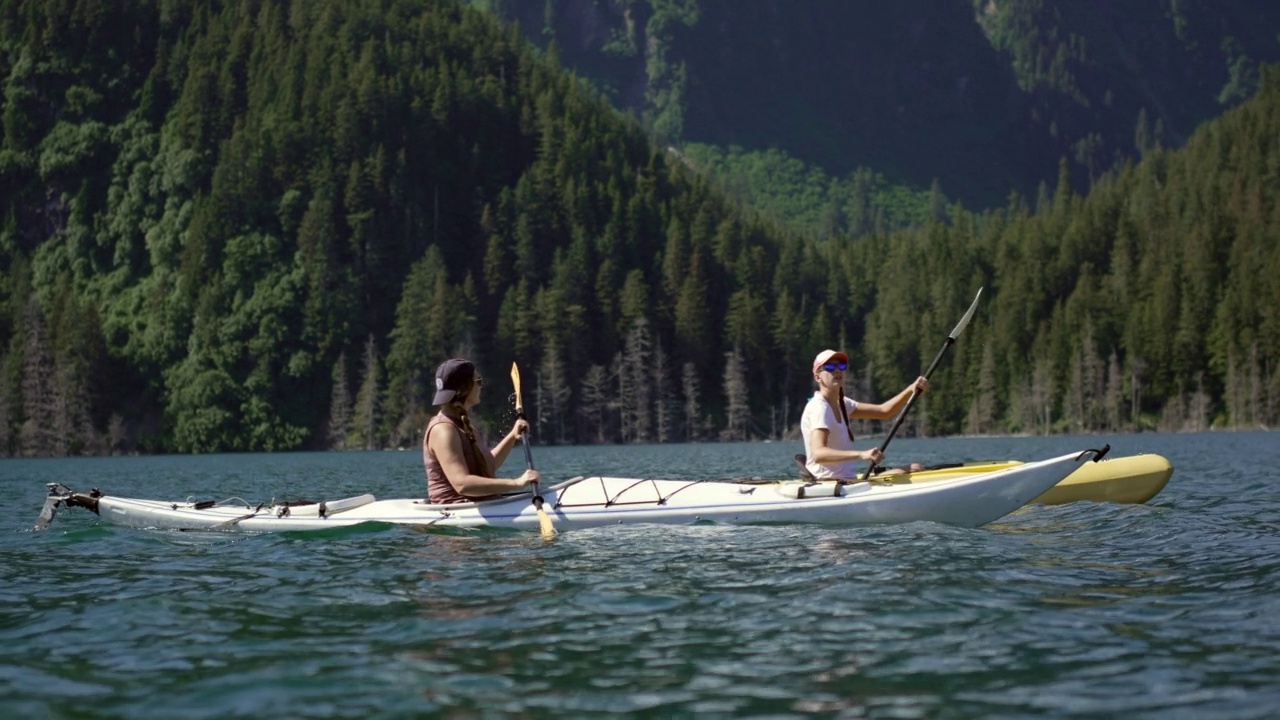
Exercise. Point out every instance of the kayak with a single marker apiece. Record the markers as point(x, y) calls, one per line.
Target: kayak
point(1129, 479)
point(967, 499)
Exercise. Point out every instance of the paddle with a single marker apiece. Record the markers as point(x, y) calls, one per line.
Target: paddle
point(544, 520)
point(951, 339)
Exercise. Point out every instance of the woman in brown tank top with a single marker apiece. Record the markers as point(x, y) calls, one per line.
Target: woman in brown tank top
point(458, 468)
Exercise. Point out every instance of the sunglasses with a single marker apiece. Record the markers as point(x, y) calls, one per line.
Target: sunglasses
point(834, 366)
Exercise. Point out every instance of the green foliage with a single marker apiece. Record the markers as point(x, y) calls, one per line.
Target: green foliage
point(805, 197)
point(260, 226)
point(983, 96)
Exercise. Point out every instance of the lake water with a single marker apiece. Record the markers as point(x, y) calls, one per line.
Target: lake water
point(1085, 610)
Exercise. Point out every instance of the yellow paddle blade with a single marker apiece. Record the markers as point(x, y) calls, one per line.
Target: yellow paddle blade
point(515, 381)
point(544, 524)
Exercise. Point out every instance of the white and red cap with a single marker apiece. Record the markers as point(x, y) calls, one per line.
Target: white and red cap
point(827, 356)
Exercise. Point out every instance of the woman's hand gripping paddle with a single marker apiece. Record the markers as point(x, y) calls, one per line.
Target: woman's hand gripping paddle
point(951, 339)
point(544, 520)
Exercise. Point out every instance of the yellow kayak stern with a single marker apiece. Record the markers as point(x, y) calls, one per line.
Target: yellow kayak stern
point(1130, 479)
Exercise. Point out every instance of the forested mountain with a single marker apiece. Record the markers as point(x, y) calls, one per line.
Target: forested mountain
point(261, 224)
point(983, 96)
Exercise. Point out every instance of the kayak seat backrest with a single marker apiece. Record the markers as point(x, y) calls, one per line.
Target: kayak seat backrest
point(801, 489)
point(804, 467)
point(330, 507)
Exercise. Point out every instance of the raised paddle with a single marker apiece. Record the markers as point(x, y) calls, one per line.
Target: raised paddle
point(951, 339)
point(544, 520)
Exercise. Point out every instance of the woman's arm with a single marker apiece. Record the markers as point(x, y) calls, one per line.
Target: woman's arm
point(891, 407)
point(822, 454)
point(500, 451)
point(447, 446)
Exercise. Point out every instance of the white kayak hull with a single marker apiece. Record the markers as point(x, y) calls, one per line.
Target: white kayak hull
point(968, 501)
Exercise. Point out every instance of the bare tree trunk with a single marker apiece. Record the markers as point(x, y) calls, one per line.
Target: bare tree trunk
point(692, 408)
point(621, 400)
point(663, 403)
point(860, 386)
point(1042, 392)
point(339, 406)
point(1082, 393)
point(736, 393)
point(1114, 394)
point(117, 434)
point(1201, 406)
point(366, 408)
point(1258, 406)
point(784, 431)
point(1137, 366)
point(554, 393)
point(636, 389)
point(1093, 381)
point(1173, 417)
point(1022, 412)
point(6, 416)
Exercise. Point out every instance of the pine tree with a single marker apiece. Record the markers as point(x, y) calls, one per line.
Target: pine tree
point(692, 316)
point(594, 407)
point(427, 325)
point(39, 393)
point(982, 409)
point(77, 353)
point(73, 427)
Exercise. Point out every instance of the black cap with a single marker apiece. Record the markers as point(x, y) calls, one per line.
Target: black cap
point(452, 376)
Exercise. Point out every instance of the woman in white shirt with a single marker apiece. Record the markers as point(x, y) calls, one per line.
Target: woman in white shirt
point(828, 438)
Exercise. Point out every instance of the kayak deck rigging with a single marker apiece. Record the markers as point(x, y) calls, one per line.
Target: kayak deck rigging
point(614, 500)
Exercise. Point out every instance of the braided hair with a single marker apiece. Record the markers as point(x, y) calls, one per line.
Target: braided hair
point(469, 430)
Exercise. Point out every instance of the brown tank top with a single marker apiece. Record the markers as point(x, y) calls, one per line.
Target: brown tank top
point(439, 489)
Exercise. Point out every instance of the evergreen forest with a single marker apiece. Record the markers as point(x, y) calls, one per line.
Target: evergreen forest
point(977, 97)
point(260, 225)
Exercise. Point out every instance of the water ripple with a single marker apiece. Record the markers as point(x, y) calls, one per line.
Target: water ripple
point(1083, 610)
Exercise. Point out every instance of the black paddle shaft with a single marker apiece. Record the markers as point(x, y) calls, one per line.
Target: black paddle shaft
point(951, 339)
point(524, 440)
point(897, 422)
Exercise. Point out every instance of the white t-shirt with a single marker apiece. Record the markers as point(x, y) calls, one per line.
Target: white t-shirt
point(819, 415)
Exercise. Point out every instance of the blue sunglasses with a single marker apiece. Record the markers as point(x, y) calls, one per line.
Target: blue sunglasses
point(832, 367)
